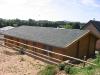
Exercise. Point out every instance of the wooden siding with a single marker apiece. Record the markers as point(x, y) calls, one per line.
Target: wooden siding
point(98, 45)
point(71, 50)
point(58, 50)
point(40, 46)
point(92, 45)
point(8, 40)
point(83, 47)
point(94, 31)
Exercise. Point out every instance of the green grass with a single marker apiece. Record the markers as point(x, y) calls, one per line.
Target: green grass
point(48, 70)
point(71, 70)
point(88, 70)
point(91, 70)
point(97, 60)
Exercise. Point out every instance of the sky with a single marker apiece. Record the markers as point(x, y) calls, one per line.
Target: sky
point(53, 10)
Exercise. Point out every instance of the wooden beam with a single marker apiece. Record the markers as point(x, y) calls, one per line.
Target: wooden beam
point(42, 57)
point(54, 52)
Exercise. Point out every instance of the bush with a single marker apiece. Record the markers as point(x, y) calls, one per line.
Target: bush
point(67, 68)
point(71, 70)
point(48, 70)
point(61, 66)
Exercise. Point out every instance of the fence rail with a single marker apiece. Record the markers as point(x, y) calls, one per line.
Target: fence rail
point(37, 48)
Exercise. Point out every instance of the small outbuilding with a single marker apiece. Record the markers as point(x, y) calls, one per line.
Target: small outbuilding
point(4, 29)
point(94, 27)
point(72, 42)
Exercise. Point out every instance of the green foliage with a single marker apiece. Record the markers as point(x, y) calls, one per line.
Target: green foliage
point(67, 26)
point(72, 25)
point(67, 68)
point(48, 70)
point(89, 70)
point(61, 66)
point(71, 70)
point(97, 60)
point(76, 25)
point(42, 23)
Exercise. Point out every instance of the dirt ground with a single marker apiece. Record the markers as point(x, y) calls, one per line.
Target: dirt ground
point(12, 63)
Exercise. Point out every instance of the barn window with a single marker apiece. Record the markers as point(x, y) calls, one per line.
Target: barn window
point(48, 48)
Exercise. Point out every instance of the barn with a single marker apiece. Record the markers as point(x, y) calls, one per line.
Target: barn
point(73, 42)
point(94, 27)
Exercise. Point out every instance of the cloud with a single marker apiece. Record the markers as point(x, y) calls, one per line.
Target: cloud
point(25, 9)
point(38, 2)
point(90, 3)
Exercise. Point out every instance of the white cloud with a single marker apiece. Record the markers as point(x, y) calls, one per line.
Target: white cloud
point(25, 9)
point(44, 9)
point(38, 2)
point(87, 1)
point(90, 3)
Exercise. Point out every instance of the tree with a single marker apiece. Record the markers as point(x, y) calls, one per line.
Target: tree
point(67, 26)
point(76, 25)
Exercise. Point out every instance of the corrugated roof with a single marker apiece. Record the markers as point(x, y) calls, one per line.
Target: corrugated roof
point(50, 36)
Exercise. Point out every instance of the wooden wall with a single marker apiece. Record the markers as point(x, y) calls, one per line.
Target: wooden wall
point(95, 32)
point(92, 46)
point(83, 47)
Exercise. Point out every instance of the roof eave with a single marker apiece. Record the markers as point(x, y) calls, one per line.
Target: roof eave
point(88, 31)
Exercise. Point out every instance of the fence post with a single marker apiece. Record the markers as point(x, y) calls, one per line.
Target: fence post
point(84, 62)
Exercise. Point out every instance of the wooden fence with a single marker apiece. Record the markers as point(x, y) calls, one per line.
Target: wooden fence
point(45, 57)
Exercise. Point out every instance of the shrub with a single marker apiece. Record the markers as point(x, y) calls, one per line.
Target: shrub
point(67, 68)
point(48, 70)
point(61, 66)
point(71, 70)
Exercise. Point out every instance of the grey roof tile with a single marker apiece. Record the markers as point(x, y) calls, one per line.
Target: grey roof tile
point(50, 36)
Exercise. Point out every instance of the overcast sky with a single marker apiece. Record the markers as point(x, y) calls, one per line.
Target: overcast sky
point(70, 10)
